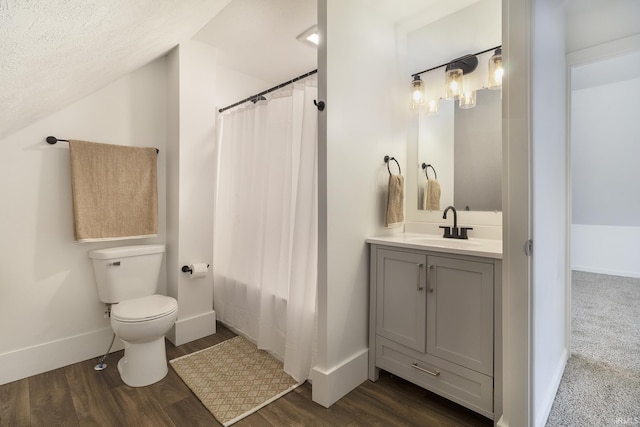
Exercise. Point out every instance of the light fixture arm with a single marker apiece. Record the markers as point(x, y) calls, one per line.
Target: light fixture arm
point(458, 59)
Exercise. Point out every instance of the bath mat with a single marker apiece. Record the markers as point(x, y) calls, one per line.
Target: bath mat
point(234, 379)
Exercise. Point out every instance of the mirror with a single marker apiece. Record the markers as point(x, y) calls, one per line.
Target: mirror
point(464, 150)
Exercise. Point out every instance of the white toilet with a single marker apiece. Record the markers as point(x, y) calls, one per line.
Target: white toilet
point(127, 278)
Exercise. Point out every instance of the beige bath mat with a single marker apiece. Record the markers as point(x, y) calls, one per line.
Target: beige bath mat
point(234, 379)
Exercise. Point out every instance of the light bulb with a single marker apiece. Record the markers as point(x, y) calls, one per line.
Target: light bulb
point(495, 70)
point(468, 99)
point(453, 83)
point(417, 93)
point(432, 106)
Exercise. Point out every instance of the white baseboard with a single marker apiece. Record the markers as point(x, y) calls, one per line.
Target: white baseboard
point(330, 386)
point(193, 328)
point(605, 249)
point(45, 357)
point(25, 362)
point(609, 272)
point(544, 408)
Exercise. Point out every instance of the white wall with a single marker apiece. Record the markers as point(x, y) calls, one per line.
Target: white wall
point(233, 86)
point(472, 29)
point(605, 249)
point(550, 205)
point(593, 22)
point(50, 315)
point(604, 151)
point(359, 81)
point(191, 173)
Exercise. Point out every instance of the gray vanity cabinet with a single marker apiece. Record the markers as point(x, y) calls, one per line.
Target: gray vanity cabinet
point(432, 322)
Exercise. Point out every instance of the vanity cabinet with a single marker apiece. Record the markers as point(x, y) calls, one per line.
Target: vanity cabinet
point(432, 322)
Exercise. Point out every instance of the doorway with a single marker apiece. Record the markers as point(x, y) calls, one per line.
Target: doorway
point(603, 286)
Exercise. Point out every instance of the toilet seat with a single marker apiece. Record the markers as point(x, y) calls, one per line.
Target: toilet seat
point(143, 309)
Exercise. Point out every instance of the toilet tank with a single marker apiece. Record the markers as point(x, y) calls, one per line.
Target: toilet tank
point(126, 272)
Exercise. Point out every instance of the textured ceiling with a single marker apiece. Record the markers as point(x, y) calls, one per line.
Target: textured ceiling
point(55, 52)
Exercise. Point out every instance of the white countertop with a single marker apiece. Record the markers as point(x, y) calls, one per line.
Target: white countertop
point(487, 248)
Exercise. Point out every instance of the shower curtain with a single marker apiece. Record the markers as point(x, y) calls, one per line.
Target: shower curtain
point(265, 225)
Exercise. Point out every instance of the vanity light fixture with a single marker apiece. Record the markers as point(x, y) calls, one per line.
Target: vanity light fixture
point(460, 81)
point(417, 92)
point(495, 70)
point(310, 36)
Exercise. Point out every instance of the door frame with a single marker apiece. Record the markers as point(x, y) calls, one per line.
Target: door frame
point(517, 23)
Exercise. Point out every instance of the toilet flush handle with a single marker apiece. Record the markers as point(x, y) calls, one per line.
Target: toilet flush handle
point(116, 264)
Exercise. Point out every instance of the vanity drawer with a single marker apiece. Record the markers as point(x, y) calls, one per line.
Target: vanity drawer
point(464, 386)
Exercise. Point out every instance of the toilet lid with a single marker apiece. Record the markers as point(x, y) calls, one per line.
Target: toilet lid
point(145, 308)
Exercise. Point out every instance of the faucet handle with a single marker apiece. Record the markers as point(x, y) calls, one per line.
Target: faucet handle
point(463, 232)
point(447, 231)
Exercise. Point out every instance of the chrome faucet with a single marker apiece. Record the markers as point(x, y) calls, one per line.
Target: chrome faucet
point(454, 232)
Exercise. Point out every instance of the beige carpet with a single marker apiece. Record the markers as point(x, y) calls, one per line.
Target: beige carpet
point(233, 379)
point(601, 382)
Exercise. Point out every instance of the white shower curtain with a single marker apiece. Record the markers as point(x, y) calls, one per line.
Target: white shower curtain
point(265, 226)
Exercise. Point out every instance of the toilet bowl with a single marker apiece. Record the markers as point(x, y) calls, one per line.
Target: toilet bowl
point(141, 324)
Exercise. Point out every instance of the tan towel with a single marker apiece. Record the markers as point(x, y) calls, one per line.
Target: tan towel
point(431, 197)
point(395, 201)
point(115, 191)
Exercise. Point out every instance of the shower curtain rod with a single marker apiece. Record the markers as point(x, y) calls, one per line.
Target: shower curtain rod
point(281, 85)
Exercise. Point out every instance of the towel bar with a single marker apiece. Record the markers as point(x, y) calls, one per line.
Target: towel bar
point(52, 140)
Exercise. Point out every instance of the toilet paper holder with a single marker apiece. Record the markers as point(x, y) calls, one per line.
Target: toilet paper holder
point(187, 269)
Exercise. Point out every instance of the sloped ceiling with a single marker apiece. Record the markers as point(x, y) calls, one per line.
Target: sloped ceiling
point(55, 52)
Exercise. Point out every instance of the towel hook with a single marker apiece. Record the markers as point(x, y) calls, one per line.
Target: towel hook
point(426, 172)
point(387, 159)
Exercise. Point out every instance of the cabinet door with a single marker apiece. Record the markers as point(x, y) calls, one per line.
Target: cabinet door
point(460, 312)
point(400, 296)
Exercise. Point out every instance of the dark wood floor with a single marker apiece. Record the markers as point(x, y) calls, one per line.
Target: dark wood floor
point(77, 395)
